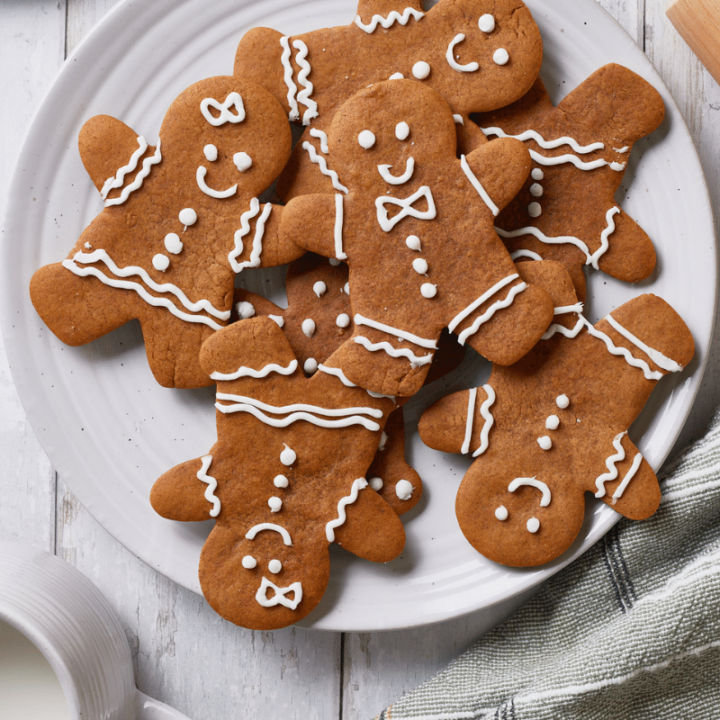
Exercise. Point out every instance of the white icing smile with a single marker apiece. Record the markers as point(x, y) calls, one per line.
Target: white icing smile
point(470, 67)
point(219, 194)
point(391, 179)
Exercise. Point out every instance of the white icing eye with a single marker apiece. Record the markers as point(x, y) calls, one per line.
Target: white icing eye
point(420, 266)
point(280, 481)
point(553, 422)
point(413, 242)
point(249, 562)
point(376, 484)
point(274, 566)
point(288, 456)
point(562, 402)
point(536, 190)
point(319, 288)
point(308, 327)
point(366, 139)
point(486, 23)
point(275, 504)
point(310, 366)
point(537, 174)
point(501, 56)
point(173, 244)
point(502, 513)
point(428, 290)
point(245, 310)
point(421, 70)
point(161, 262)
point(534, 210)
point(187, 217)
point(343, 320)
point(533, 525)
point(211, 153)
point(242, 161)
point(545, 442)
point(402, 130)
point(404, 490)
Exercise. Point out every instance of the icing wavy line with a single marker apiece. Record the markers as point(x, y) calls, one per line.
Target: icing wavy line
point(338, 373)
point(393, 17)
point(211, 485)
point(574, 160)
point(628, 477)
point(567, 332)
point(489, 420)
point(611, 464)
point(357, 486)
point(657, 357)
point(422, 342)
point(323, 138)
point(525, 254)
point(488, 314)
point(604, 238)
point(547, 144)
point(116, 180)
point(256, 252)
point(320, 161)
point(136, 184)
point(263, 372)
point(304, 95)
point(288, 77)
point(497, 287)
point(415, 360)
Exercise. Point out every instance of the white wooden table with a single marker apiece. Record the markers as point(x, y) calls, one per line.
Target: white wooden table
point(184, 654)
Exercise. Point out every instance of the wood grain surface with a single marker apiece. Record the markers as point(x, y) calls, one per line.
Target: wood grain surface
point(184, 654)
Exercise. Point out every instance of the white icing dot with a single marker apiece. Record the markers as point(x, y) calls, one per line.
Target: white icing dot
point(366, 139)
point(245, 310)
point(275, 504)
point(211, 152)
point(562, 401)
point(249, 562)
point(383, 441)
point(161, 262)
point(545, 442)
point(308, 327)
point(280, 481)
point(242, 161)
point(553, 422)
point(413, 242)
point(537, 174)
point(278, 319)
point(501, 56)
point(428, 290)
point(486, 23)
point(173, 243)
point(288, 456)
point(534, 210)
point(343, 320)
point(458, 119)
point(502, 513)
point(420, 266)
point(346, 288)
point(404, 489)
point(88, 245)
point(402, 130)
point(274, 566)
point(396, 76)
point(376, 484)
point(536, 190)
point(319, 288)
point(310, 366)
point(334, 262)
point(421, 70)
point(187, 217)
point(533, 525)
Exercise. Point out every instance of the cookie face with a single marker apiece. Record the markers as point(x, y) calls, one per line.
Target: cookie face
point(286, 478)
point(567, 210)
point(478, 54)
point(416, 230)
point(546, 430)
point(181, 219)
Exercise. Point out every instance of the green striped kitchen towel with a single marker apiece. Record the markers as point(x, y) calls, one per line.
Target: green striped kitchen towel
point(629, 630)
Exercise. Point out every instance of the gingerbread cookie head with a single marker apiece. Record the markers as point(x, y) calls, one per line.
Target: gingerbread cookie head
point(180, 219)
point(554, 426)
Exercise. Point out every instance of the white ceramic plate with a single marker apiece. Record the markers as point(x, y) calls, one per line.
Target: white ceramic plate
point(111, 431)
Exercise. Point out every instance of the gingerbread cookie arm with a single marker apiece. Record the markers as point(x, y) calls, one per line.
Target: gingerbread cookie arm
point(630, 255)
point(187, 492)
point(314, 222)
point(497, 171)
point(277, 248)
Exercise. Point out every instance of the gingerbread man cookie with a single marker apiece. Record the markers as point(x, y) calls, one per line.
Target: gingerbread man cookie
point(555, 425)
point(416, 230)
point(286, 478)
point(567, 210)
point(181, 218)
point(479, 54)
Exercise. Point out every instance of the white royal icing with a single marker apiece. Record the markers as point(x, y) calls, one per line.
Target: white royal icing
point(470, 67)
point(612, 473)
point(376, 484)
point(319, 288)
point(117, 180)
point(323, 138)
point(342, 320)
point(173, 244)
point(304, 95)
point(136, 184)
point(421, 70)
point(403, 334)
point(465, 447)
point(278, 319)
point(478, 186)
point(489, 420)
point(366, 139)
point(407, 210)
point(393, 17)
point(391, 179)
point(233, 100)
point(218, 194)
point(338, 229)
point(308, 327)
point(628, 477)
point(534, 210)
point(338, 373)
point(502, 513)
point(161, 262)
point(404, 489)
point(280, 481)
point(257, 374)
point(288, 456)
point(245, 310)
point(275, 505)
point(249, 562)
point(187, 216)
point(604, 238)
point(320, 161)
point(256, 252)
point(415, 360)
point(413, 242)
point(279, 594)
point(211, 152)
point(486, 23)
point(255, 529)
point(501, 56)
point(545, 442)
point(310, 366)
point(459, 120)
point(242, 161)
point(525, 254)
point(428, 290)
point(562, 401)
point(496, 288)
point(533, 525)
point(552, 422)
point(275, 566)
point(288, 77)
point(357, 486)
point(402, 131)
point(420, 266)
point(532, 482)
point(211, 485)
point(545, 144)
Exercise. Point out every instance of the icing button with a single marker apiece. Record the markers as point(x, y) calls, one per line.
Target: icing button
point(502, 513)
point(161, 262)
point(280, 481)
point(545, 442)
point(420, 266)
point(319, 288)
point(533, 525)
point(534, 210)
point(413, 242)
point(275, 504)
point(376, 484)
point(537, 174)
point(308, 327)
point(421, 70)
point(553, 422)
point(173, 243)
point(187, 217)
point(310, 366)
point(501, 56)
point(274, 566)
point(536, 190)
point(428, 290)
point(288, 456)
point(343, 320)
point(562, 401)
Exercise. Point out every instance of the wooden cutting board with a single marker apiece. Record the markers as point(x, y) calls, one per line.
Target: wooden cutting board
point(698, 22)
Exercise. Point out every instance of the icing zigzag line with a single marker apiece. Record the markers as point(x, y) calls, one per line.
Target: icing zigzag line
point(393, 17)
point(322, 164)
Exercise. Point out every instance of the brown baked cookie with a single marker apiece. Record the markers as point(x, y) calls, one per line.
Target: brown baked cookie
point(180, 220)
point(554, 426)
point(567, 209)
point(285, 479)
point(479, 54)
point(416, 230)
